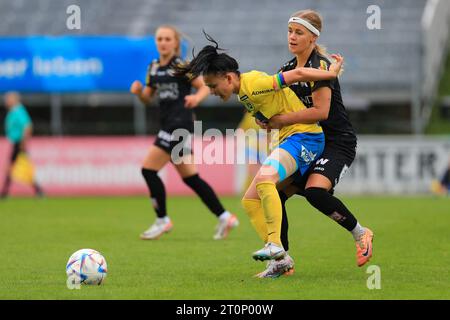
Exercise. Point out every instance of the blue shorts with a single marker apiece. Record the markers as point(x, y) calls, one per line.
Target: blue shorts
point(305, 148)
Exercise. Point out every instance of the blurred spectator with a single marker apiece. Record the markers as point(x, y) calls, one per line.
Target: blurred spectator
point(18, 127)
point(442, 187)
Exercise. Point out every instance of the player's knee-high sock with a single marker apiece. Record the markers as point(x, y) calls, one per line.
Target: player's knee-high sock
point(206, 193)
point(331, 206)
point(157, 191)
point(255, 212)
point(284, 222)
point(271, 204)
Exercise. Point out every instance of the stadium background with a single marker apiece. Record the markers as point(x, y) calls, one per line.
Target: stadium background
point(90, 136)
point(75, 83)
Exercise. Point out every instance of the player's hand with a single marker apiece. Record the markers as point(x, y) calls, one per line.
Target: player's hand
point(136, 87)
point(337, 64)
point(191, 101)
point(277, 122)
point(262, 125)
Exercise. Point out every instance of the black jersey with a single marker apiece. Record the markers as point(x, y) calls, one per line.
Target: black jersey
point(337, 126)
point(171, 91)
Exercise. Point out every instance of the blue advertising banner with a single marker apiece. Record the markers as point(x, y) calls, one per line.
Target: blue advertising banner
point(74, 64)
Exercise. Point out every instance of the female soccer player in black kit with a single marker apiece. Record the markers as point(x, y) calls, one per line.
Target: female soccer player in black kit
point(176, 103)
point(324, 103)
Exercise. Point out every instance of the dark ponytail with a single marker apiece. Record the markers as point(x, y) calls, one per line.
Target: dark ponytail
point(208, 61)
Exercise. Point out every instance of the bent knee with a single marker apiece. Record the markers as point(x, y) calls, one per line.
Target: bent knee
point(314, 194)
point(267, 174)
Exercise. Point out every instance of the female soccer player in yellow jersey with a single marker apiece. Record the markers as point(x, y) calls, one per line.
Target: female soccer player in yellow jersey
point(299, 144)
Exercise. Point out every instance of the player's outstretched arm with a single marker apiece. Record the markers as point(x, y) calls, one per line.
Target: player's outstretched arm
point(312, 74)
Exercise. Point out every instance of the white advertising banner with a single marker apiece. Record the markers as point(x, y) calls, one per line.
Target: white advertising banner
point(111, 166)
point(396, 164)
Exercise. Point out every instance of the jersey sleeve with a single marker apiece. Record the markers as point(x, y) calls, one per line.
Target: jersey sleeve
point(148, 79)
point(261, 85)
point(264, 86)
point(262, 89)
point(284, 68)
point(322, 64)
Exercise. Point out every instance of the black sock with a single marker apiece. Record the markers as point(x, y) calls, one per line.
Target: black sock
point(206, 193)
point(284, 222)
point(157, 191)
point(331, 206)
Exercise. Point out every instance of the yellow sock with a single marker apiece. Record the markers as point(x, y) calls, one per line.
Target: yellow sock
point(255, 211)
point(271, 203)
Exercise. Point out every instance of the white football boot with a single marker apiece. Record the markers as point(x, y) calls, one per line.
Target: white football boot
point(157, 229)
point(271, 251)
point(276, 268)
point(224, 227)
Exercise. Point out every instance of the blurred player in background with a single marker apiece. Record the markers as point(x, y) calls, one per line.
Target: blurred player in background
point(19, 130)
point(324, 103)
point(445, 181)
point(299, 145)
point(176, 104)
point(442, 186)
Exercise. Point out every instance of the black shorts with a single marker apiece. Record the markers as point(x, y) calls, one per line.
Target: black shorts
point(334, 162)
point(175, 143)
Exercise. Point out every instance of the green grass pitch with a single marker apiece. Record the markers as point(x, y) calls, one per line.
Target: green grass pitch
point(411, 248)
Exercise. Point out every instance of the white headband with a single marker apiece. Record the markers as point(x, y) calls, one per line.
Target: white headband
point(306, 24)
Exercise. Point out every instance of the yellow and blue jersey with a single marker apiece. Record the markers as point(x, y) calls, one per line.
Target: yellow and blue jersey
point(258, 93)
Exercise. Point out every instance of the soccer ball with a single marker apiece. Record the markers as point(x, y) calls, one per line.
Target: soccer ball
point(86, 266)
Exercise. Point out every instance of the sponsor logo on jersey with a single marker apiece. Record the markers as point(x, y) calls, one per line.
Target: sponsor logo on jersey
point(307, 101)
point(322, 161)
point(304, 84)
point(255, 93)
point(247, 104)
point(168, 91)
point(323, 65)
